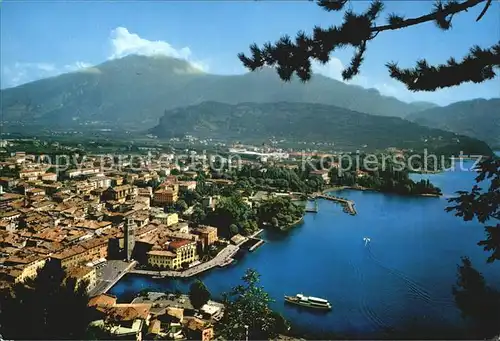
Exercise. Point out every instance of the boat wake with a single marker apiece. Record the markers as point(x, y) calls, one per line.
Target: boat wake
point(363, 305)
point(415, 289)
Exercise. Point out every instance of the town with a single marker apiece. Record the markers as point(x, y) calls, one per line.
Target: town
point(100, 221)
point(165, 215)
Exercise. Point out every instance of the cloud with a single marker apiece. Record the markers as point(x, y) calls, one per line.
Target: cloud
point(76, 66)
point(124, 43)
point(20, 73)
point(332, 69)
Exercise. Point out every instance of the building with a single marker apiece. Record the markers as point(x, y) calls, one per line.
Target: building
point(49, 177)
point(129, 235)
point(187, 185)
point(31, 174)
point(99, 181)
point(72, 256)
point(198, 329)
point(166, 196)
point(162, 259)
point(168, 219)
point(28, 265)
point(179, 252)
point(208, 235)
point(83, 273)
point(120, 193)
point(123, 321)
point(323, 173)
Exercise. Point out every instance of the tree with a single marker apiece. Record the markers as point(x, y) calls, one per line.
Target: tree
point(39, 308)
point(357, 29)
point(181, 205)
point(247, 307)
point(233, 229)
point(198, 294)
point(228, 211)
point(477, 301)
point(198, 215)
point(483, 205)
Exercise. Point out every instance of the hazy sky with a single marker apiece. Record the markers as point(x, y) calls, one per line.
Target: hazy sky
point(42, 38)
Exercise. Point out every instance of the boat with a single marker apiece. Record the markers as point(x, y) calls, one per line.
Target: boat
point(309, 301)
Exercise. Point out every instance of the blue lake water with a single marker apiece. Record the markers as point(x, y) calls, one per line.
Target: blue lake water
point(401, 279)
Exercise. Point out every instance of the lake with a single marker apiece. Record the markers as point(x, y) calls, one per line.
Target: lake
point(399, 282)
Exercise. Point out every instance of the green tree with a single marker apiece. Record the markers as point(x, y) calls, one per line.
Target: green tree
point(198, 294)
point(247, 309)
point(233, 229)
point(477, 302)
point(230, 210)
point(198, 215)
point(357, 29)
point(483, 204)
point(181, 205)
point(39, 308)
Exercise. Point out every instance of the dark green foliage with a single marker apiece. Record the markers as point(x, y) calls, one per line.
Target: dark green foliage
point(198, 215)
point(477, 302)
point(279, 212)
point(48, 307)
point(181, 205)
point(198, 294)
point(310, 122)
point(247, 308)
point(388, 181)
point(229, 211)
point(294, 56)
point(483, 204)
point(477, 118)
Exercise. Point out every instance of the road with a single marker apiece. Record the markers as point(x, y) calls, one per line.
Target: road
point(109, 274)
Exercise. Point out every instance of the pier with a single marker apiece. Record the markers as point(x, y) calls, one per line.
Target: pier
point(314, 209)
point(348, 204)
point(256, 245)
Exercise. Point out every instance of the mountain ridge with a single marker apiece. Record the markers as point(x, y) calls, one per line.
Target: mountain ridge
point(306, 122)
point(135, 90)
point(479, 118)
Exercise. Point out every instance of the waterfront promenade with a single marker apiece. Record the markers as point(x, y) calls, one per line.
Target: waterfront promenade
point(222, 259)
point(110, 274)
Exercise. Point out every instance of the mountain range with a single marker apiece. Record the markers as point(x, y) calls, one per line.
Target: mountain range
point(135, 90)
point(307, 122)
point(479, 118)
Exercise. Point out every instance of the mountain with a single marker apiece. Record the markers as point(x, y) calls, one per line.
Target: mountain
point(479, 118)
point(297, 122)
point(135, 90)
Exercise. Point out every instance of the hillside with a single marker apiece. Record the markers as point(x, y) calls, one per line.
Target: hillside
point(135, 90)
point(477, 118)
point(310, 122)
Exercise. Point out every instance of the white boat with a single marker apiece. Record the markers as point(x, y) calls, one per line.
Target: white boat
point(309, 301)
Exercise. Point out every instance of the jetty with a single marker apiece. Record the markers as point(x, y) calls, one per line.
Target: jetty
point(312, 209)
point(348, 204)
point(256, 245)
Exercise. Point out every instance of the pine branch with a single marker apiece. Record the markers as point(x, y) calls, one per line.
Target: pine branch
point(295, 57)
point(332, 5)
point(478, 66)
point(485, 9)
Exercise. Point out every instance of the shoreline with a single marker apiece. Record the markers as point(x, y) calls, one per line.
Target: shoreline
point(365, 189)
point(293, 224)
